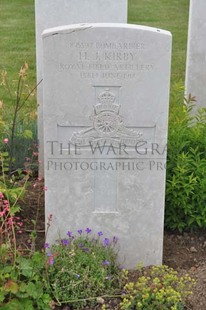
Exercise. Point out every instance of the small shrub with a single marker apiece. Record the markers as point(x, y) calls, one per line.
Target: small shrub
point(82, 268)
point(161, 288)
point(186, 168)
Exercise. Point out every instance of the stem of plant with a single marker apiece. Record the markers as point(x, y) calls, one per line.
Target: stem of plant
point(12, 225)
point(35, 222)
point(84, 299)
point(18, 98)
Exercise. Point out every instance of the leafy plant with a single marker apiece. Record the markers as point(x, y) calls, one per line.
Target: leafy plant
point(83, 268)
point(23, 282)
point(23, 278)
point(186, 168)
point(160, 288)
point(10, 193)
point(23, 286)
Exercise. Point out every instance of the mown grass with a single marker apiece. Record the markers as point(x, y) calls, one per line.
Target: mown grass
point(17, 39)
point(17, 35)
point(170, 15)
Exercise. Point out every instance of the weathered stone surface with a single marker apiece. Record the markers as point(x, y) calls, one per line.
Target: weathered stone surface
point(106, 90)
point(196, 53)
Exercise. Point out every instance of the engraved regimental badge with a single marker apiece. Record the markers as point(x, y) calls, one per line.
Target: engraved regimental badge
point(108, 127)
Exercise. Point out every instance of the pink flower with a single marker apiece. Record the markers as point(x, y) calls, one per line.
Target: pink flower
point(39, 179)
point(5, 141)
point(45, 188)
point(35, 153)
point(1, 195)
point(2, 213)
point(10, 221)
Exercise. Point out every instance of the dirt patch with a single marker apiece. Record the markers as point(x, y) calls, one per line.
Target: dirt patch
point(185, 253)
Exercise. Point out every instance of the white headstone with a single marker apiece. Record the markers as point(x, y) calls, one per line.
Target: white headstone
point(53, 13)
point(106, 92)
point(196, 53)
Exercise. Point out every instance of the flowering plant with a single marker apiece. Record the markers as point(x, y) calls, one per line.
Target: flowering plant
point(83, 267)
point(160, 288)
point(22, 269)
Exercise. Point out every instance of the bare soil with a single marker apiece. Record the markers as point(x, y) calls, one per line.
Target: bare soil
point(185, 252)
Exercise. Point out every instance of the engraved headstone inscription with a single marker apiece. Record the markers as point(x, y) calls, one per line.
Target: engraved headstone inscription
point(196, 53)
point(106, 90)
point(53, 13)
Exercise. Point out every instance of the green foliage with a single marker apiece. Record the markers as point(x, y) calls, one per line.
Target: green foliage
point(186, 168)
point(83, 268)
point(23, 282)
point(23, 285)
point(10, 193)
point(10, 186)
point(159, 288)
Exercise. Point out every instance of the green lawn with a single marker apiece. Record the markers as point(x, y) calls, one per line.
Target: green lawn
point(17, 35)
point(170, 15)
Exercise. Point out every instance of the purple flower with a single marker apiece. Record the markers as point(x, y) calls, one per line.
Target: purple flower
point(69, 233)
point(121, 267)
point(86, 250)
point(106, 242)
point(65, 242)
point(79, 231)
point(48, 254)
point(88, 230)
point(46, 245)
point(78, 276)
point(100, 233)
point(80, 245)
point(105, 263)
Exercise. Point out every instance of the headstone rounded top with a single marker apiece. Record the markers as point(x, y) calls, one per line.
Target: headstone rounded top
point(78, 27)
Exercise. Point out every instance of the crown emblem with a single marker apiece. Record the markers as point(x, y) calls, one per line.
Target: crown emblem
point(106, 101)
point(106, 97)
